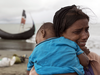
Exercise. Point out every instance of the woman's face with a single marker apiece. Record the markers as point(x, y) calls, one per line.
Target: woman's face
point(78, 32)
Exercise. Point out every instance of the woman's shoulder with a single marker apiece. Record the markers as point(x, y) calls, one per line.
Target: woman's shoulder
point(93, 56)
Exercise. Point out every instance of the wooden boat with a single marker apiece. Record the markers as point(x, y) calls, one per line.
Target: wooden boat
point(18, 36)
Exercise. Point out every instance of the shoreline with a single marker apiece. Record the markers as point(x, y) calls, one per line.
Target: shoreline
point(16, 45)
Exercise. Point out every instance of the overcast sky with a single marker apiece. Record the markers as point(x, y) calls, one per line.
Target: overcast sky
point(41, 10)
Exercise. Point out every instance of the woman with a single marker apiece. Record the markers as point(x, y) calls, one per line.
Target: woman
point(72, 23)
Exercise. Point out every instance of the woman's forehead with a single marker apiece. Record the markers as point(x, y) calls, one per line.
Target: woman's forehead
point(80, 23)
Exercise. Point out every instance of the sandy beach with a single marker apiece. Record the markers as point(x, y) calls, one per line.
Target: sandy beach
point(19, 47)
point(16, 69)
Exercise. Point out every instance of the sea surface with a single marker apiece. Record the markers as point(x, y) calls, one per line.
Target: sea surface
point(14, 28)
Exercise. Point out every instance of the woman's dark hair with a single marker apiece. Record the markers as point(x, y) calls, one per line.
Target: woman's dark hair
point(65, 17)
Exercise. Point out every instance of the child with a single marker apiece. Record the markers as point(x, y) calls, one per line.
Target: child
point(55, 55)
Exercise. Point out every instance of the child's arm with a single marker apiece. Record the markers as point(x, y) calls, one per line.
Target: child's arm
point(92, 55)
point(30, 63)
point(33, 72)
point(28, 72)
point(83, 57)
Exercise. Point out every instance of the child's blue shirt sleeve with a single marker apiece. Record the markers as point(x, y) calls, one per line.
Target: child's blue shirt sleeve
point(79, 51)
point(30, 63)
point(31, 60)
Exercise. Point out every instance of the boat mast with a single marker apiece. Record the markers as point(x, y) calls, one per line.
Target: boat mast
point(23, 20)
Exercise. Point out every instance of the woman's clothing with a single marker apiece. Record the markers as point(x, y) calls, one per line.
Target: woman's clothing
point(88, 70)
point(95, 62)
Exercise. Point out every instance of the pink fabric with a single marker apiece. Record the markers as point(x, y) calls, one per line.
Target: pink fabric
point(95, 62)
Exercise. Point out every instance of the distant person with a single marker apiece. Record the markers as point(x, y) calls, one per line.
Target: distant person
point(56, 55)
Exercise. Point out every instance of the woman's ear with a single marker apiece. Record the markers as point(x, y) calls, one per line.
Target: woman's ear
point(43, 32)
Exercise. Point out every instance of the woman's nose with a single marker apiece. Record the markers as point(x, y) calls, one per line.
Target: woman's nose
point(85, 35)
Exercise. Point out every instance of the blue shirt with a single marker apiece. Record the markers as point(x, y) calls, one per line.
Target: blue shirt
point(56, 56)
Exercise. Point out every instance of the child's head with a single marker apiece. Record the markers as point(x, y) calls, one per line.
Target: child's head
point(45, 31)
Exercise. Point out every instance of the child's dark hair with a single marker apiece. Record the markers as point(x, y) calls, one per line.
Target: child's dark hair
point(65, 17)
point(48, 26)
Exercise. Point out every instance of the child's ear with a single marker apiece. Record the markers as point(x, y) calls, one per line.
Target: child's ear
point(43, 33)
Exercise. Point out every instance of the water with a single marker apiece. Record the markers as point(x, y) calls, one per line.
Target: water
point(94, 29)
point(14, 28)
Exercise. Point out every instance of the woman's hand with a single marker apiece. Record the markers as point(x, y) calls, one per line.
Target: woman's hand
point(86, 50)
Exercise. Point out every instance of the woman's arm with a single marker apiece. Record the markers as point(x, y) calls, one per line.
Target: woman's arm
point(33, 72)
point(67, 74)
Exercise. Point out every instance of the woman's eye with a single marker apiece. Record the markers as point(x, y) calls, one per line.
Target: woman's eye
point(87, 29)
point(77, 32)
